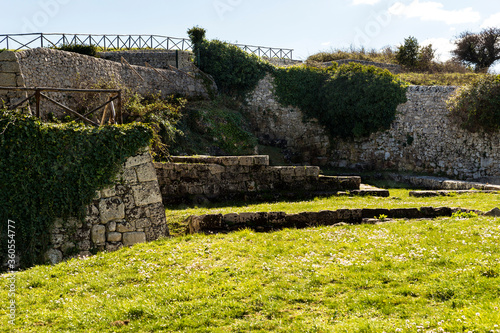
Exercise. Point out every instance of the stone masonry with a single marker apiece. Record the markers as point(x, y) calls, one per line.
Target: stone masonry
point(423, 138)
point(127, 213)
point(228, 177)
point(10, 76)
point(155, 58)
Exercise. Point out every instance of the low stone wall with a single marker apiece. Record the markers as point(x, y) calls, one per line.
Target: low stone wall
point(59, 69)
point(155, 58)
point(265, 222)
point(219, 178)
point(440, 183)
point(127, 213)
point(422, 138)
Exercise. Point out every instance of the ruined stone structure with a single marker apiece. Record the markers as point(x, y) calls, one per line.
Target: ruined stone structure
point(127, 213)
point(59, 69)
point(219, 178)
point(423, 138)
point(155, 58)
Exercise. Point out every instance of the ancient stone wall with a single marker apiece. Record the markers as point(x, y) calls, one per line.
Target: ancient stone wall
point(53, 68)
point(219, 178)
point(10, 76)
point(423, 138)
point(127, 213)
point(155, 58)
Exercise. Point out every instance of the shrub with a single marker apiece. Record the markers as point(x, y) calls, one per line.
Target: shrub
point(50, 171)
point(407, 54)
point(360, 100)
point(235, 71)
point(89, 50)
point(476, 107)
point(349, 101)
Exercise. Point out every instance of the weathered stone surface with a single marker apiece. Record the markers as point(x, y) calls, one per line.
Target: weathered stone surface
point(146, 172)
point(495, 212)
point(111, 209)
point(53, 256)
point(132, 238)
point(98, 234)
point(8, 79)
point(8, 56)
point(9, 67)
point(125, 226)
point(111, 226)
point(114, 237)
point(143, 223)
point(146, 193)
point(68, 247)
point(108, 192)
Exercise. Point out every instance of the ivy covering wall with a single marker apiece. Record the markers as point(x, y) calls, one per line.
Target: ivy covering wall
point(50, 171)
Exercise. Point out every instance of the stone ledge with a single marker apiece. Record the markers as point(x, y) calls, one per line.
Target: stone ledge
point(264, 221)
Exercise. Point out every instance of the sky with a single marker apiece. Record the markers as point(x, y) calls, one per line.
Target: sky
point(307, 27)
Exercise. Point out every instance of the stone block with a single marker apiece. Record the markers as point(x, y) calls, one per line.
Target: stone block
point(132, 238)
point(10, 67)
point(245, 160)
point(111, 226)
point(113, 247)
point(145, 172)
point(232, 218)
point(53, 256)
point(8, 79)
point(495, 212)
point(98, 234)
point(111, 209)
point(146, 193)
point(261, 160)
point(143, 223)
point(114, 237)
point(312, 171)
point(68, 247)
point(138, 160)
point(8, 56)
point(125, 226)
point(108, 192)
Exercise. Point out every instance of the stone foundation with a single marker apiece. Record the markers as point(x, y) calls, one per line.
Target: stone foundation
point(127, 213)
point(218, 178)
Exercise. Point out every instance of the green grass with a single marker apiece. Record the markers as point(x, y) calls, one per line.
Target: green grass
point(439, 79)
point(399, 199)
point(420, 276)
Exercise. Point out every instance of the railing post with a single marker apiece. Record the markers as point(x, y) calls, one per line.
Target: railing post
point(41, 39)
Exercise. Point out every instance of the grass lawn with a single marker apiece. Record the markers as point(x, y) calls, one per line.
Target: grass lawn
point(399, 199)
point(438, 275)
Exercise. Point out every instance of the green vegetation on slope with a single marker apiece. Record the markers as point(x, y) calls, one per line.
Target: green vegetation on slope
point(213, 128)
point(50, 171)
point(439, 275)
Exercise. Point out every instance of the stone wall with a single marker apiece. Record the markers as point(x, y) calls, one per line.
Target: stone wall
point(421, 139)
point(219, 178)
point(155, 58)
point(53, 68)
point(127, 213)
point(10, 76)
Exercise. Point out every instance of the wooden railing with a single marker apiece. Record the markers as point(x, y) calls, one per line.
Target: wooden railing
point(115, 114)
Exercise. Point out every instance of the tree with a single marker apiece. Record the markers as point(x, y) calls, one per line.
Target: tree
point(478, 49)
point(415, 57)
point(407, 54)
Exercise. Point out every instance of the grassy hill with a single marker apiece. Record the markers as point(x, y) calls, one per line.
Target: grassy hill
point(438, 275)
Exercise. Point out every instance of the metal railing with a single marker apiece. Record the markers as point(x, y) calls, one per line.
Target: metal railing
point(115, 115)
point(122, 42)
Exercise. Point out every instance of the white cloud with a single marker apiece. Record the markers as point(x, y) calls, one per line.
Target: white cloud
point(326, 44)
point(443, 47)
point(434, 11)
point(365, 2)
point(492, 22)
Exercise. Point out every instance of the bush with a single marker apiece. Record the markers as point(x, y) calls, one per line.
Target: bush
point(349, 101)
point(476, 107)
point(235, 71)
point(50, 171)
point(89, 50)
point(360, 100)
